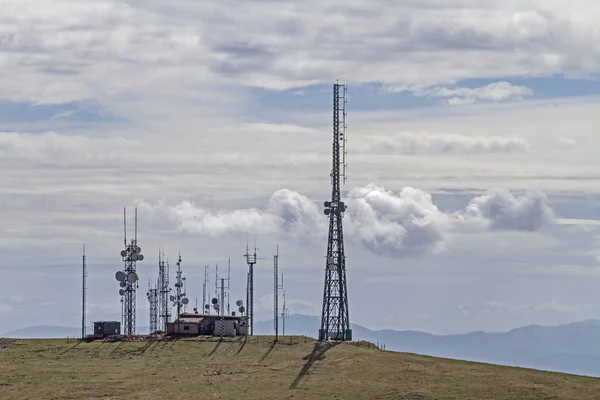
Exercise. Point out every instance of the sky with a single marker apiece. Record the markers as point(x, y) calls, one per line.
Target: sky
point(472, 190)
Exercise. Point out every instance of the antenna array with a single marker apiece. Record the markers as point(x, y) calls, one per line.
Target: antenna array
point(128, 277)
point(179, 300)
point(335, 322)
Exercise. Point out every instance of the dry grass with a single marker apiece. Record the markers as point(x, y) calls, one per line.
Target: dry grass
point(194, 369)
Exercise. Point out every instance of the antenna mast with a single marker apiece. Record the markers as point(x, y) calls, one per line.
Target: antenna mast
point(335, 322)
point(84, 275)
point(251, 261)
point(276, 288)
point(163, 291)
point(179, 300)
point(284, 312)
point(205, 305)
point(128, 277)
point(228, 283)
point(153, 301)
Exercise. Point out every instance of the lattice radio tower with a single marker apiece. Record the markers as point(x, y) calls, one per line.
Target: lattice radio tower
point(153, 302)
point(128, 278)
point(163, 291)
point(335, 321)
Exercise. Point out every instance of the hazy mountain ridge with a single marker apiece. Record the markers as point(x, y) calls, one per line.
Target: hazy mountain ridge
point(572, 348)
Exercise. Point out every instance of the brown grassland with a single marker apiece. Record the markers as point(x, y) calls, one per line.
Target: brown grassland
point(295, 368)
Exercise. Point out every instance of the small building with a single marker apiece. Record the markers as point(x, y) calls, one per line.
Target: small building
point(185, 326)
point(207, 325)
point(107, 328)
point(225, 327)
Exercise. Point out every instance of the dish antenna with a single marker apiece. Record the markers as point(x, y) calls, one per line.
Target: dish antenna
point(120, 276)
point(132, 277)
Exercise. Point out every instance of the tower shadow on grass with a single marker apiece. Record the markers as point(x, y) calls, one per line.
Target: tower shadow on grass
point(267, 353)
point(242, 346)
point(317, 354)
point(214, 350)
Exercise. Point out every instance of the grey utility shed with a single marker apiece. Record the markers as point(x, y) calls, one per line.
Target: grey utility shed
point(107, 328)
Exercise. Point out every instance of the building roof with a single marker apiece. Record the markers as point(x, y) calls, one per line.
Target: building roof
point(189, 320)
point(209, 316)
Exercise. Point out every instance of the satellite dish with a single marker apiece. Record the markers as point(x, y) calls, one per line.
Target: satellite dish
point(138, 249)
point(327, 204)
point(239, 303)
point(216, 307)
point(215, 301)
point(132, 277)
point(148, 294)
point(120, 276)
point(206, 306)
point(242, 309)
point(134, 257)
point(185, 301)
point(121, 292)
point(172, 298)
point(123, 253)
point(183, 278)
point(326, 211)
point(140, 257)
point(122, 284)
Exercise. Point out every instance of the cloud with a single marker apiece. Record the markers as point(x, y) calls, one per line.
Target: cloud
point(104, 48)
point(441, 143)
point(498, 91)
point(499, 209)
point(62, 149)
point(405, 223)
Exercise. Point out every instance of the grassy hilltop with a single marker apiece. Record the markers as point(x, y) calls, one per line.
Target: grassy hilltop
point(296, 368)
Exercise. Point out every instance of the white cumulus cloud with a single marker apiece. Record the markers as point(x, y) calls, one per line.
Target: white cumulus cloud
point(497, 91)
point(400, 223)
point(412, 143)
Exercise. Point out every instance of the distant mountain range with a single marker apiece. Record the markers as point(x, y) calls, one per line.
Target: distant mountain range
point(571, 348)
point(52, 332)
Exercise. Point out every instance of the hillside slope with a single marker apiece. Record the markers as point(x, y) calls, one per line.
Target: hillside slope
point(296, 368)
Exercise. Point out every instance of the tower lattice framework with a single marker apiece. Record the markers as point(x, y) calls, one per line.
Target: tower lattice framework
point(335, 321)
point(153, 302)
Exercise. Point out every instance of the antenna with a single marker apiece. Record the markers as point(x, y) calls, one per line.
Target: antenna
point(251, 261)
point(284, 312)
point(128, 277)
point(84, 275)
point(228, 282)
point(205, 291)
point(163, 290)
point(153, 302)
point(179, 300)
point(335, 321)
point(276, 289)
